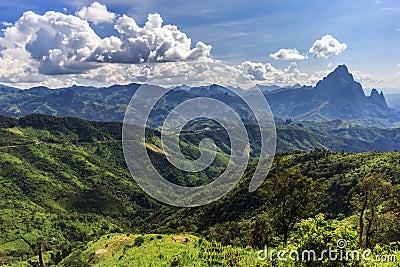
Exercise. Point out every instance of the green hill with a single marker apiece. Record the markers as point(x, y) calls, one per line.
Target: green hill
point(64, 182)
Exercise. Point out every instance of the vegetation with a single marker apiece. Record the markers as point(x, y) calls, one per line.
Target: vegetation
point(291, 196)
point(64, 183)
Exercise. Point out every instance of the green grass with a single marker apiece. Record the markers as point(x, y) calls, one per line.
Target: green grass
point(159, 250)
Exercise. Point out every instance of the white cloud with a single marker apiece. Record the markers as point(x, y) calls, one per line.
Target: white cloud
point(365, 78)
point(327, 47)
point(56, 43)
point(315, 77)
point(294, 72)
point(168, 74)
point(6, 23)
point(96, 13)
point(151, 43)
point(269, 75)
point(59, 43)
point(287, 54)
point(57, 50)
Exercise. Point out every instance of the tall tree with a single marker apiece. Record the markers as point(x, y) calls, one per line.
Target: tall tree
point(373, 190)
point(291, 197)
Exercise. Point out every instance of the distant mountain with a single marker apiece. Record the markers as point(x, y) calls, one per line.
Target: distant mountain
point(265, 88)
point(270, 88)
point(335, 135)
point(7, 89)
point(391, 91)
point(205, 90)
point(393, 101)
point(101, 104)
point(337, 96)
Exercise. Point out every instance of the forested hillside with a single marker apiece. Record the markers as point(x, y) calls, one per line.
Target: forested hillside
point(64, 182)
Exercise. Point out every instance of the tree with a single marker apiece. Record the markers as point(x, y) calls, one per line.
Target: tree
point(291, 197)
point(394, 201)
point(388, 221)
point(373, 189)
point(261, 233)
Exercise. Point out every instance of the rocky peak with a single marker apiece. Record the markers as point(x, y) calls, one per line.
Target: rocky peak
point(378, 98)
point(340, 83)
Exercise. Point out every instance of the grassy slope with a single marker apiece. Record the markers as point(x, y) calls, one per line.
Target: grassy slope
point(123, 250)
point(158, 250)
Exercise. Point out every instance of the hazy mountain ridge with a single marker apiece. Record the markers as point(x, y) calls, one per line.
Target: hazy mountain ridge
point(393, 101)
point(291, 135)
point(337, 96)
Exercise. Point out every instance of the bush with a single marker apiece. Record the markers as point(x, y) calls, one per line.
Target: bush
point(138, 241)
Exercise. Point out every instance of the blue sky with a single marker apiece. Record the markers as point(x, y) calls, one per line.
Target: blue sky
point(252, 30)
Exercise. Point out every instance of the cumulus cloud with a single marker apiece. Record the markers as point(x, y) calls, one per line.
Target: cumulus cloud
point(56, 50)
point(267, 74)
point(287, 54)
point(327, 47)
point(256, 70)
point(151, 43)
point(57, 43)
point(96, 13)
point(366, 77)
point(315, 77)
point(294, 72)
point(6, 23)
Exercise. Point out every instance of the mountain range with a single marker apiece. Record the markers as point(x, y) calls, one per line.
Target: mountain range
point(337, 96)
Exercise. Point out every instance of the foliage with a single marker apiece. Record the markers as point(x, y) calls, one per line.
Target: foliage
point(291, 197)
point(64, 182)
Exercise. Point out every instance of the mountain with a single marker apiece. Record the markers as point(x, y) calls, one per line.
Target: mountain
point(393, 101)
point(206, 91)
point(337, 96)
point(101, 104)
point(335, 135)
point(7, 89)
point(265, 88)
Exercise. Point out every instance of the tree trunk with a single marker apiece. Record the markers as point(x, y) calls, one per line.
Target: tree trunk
point(41, 260)
point(368, 234)
point(285, 234)
point(361, 223)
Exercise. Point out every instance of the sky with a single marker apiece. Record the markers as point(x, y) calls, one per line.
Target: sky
point(62, 43)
